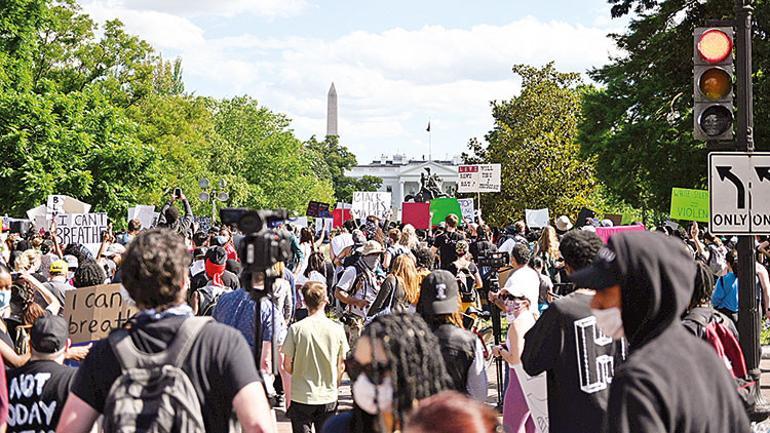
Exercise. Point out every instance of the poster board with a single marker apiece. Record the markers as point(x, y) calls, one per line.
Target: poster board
point(537, 218)
point(616, 219)
point(479, 178)
point(583, 216)
point(318, 209)
point(339, 216)
point(145, 214)
point(443, 207)
point(341, 242)
point(92, 312)
point(81, 228)
point(366, 204)
point(605, 233)
point(416, 214)
point(535, 391)
point(690, 205)
point(468, 208)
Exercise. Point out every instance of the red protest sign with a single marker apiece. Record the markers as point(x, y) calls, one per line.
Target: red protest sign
point(416, 214)
point(340, 216)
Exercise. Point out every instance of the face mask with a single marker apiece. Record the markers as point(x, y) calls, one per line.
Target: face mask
point(5, 299)
point(372, 261)
point(609, 322)
point(514, 307)
point(365, 393)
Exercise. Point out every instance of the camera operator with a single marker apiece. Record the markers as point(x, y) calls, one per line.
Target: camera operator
point(523, 277)
point(169, 216)
point(358, 288)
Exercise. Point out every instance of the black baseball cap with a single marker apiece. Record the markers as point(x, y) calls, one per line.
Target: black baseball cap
point(217, 255)
point(604, 272)
point(439, 293)
point(48, 334)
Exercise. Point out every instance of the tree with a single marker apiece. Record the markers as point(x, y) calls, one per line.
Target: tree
point(331, 160)
point(639, 125)
point(535, 140)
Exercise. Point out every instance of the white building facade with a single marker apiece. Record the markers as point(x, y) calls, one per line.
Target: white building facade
point(401, 176)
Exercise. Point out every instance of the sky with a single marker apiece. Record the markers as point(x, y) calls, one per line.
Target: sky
point(396, 64)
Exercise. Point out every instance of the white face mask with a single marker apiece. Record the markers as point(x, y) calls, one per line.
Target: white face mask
point(365, 394)
point(372, 261)
point(609, 322)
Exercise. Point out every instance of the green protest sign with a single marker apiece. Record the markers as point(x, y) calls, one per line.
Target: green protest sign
point(442, 207)
point(690, 205)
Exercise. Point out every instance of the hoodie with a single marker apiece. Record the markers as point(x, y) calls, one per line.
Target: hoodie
point(672, 381)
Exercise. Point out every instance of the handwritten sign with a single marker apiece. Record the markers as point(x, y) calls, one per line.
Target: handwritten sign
point(479, 178)
point(81, 228)
point(537, 217)
point(535, 391)
point(468, 209)
point(318, 210)
point(371, 203)
point(690, 205)
point(145, 214)
point(92, 312)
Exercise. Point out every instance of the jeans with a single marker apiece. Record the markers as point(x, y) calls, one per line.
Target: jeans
point(304, 416)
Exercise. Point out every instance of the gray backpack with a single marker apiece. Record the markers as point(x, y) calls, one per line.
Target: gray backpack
point(153, 394)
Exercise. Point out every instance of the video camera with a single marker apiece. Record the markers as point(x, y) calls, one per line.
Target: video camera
point(261, 247)
point(494, 260)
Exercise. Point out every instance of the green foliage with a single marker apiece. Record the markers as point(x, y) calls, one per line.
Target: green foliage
point(331, 160)
point(535, 140)
point(638, 126)
point(95, 113)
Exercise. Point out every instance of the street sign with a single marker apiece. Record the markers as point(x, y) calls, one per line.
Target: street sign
point(739, 186)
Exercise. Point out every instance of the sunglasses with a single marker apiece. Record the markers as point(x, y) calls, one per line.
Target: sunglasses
point(374, 372)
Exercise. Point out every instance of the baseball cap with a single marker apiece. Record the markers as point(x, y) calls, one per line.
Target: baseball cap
point(48, 334)
point(58, 267)
point(604, 272)
point(439, 293)
point(217, 255)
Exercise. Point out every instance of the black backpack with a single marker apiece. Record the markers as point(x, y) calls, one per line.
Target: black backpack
point(466, 283)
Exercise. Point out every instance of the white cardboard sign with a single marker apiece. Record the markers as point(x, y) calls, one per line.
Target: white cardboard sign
point(371, 203)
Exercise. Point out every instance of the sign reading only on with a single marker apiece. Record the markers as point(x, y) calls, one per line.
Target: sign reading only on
point(739, 186)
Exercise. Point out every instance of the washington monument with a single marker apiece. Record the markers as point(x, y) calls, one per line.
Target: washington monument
point(331, 112)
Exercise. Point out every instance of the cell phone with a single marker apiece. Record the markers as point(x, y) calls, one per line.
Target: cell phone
point(177, 192)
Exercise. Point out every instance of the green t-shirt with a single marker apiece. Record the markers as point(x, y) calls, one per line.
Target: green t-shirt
point(315, 345)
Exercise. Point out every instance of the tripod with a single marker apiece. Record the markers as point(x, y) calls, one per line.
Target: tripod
point(492, 284)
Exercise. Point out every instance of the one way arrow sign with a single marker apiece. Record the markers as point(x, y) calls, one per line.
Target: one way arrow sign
point(739, 186)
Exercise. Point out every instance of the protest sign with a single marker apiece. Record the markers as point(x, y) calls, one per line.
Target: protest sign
point(371, 203)
point(204, 223)
point(339, 216)
point(54, 205)
point(690, 205)
point(468, 209)
point(318, 210)
point(605, 233)
point(341, 242)
point(92, 312)
point(535, 390)
point(416, 214)
point(537, 218)
point(479, 178)
point(298, 221)
point(325, 225)
point(145, 214)
point(443, 207)
point(81, 228)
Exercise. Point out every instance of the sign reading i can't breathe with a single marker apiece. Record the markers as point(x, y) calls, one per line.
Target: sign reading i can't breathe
point(80, 228)
point(92, 312)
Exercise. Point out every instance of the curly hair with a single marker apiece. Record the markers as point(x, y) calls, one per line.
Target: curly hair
point(416, 365)
point(154, 268)
point(424, 257)
point(89, 273)
point(579, 248)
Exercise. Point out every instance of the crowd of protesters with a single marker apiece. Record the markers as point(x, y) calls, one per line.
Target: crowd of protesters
point(615, 327)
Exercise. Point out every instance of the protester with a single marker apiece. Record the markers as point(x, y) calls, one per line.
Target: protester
point(563, 343)
point(462, 350)
point(449, 411)
point(467, 273)
point(514, 236)
point(700, 313)
point(547, 249)
point(218, 362)
point(169, 217)
point(89, 273)
point(134, 227)
point(395, 364)
point(424, 259)
point(57, 283)
point(725, 296)
point(522, 278)
point(358, 287)
point(671, 381)
point(314, 353)
point(214, 267)
point(48, 344)
point(401, 289)
point(562, 225)
point(445, 244)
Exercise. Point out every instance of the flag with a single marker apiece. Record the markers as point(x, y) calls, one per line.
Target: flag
point(428, 128)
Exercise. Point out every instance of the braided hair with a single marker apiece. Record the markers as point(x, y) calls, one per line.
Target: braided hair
point(416, 366)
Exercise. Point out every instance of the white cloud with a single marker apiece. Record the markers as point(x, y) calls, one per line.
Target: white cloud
point(228, 8)
point(389, 83)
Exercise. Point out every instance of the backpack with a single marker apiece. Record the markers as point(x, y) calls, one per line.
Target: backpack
point(208, 296)
point(466, 283)
point(153, 394)
point(717, 261)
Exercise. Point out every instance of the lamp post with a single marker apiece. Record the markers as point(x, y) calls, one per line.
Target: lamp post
point(210, 194)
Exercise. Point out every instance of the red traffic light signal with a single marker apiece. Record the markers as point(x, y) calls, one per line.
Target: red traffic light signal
point(713, 77)
point(714, 46)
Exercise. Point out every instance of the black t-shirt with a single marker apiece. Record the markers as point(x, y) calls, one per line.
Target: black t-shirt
point(219, 365)
point(446, 243)
point(481, 247)
point(472, 268)
point(566, 343)
point(201, 279)
point(37, 392)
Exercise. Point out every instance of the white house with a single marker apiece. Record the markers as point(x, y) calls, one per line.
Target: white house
point(401, 176)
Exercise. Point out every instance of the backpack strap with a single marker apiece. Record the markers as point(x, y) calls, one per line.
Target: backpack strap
point(129, 356)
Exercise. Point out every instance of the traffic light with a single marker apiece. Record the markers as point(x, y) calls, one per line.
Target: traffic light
point(713, 78)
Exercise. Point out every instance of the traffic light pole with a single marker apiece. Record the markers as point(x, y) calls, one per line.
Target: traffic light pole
point(749, 315)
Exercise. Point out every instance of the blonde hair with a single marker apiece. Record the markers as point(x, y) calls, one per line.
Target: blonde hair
point(405, 272)
point(549, 242)
point(408, 237)
point(28, 261)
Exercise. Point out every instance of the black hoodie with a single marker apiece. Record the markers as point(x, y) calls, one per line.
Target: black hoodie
point(672, 381)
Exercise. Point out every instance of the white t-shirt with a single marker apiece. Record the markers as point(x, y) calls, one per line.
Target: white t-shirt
point(527, 280)
point(345, 284)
